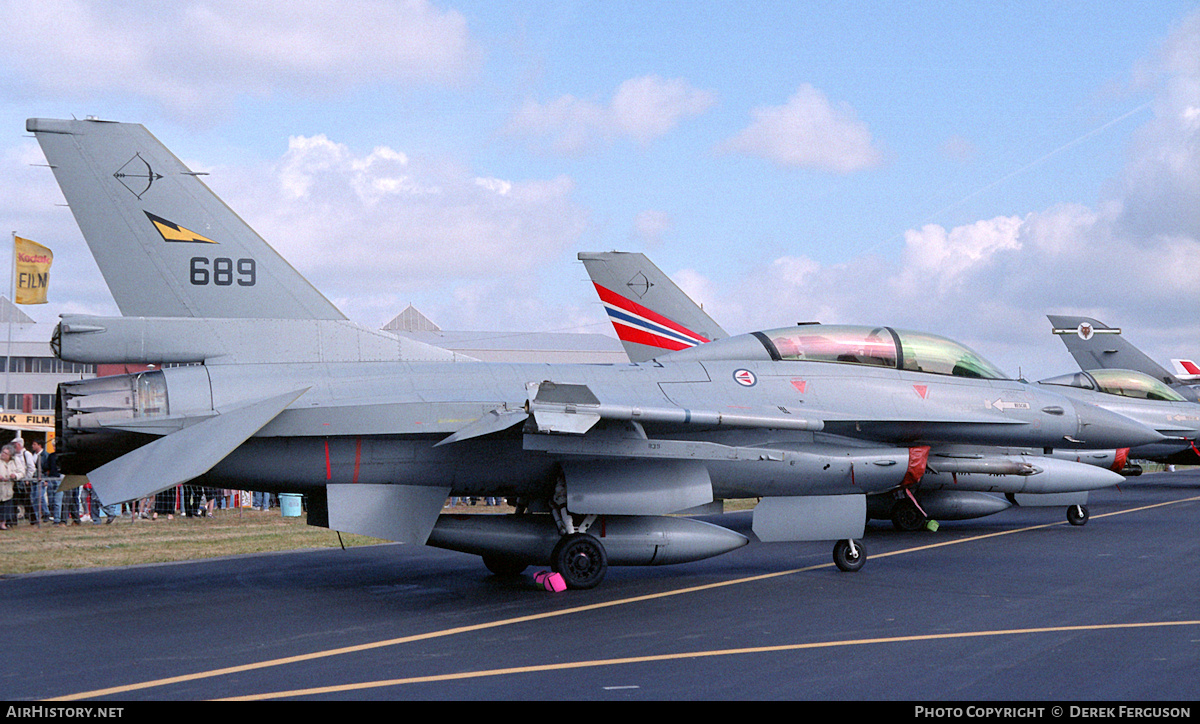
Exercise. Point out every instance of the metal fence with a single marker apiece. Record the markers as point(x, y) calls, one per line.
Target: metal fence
point(41, 501)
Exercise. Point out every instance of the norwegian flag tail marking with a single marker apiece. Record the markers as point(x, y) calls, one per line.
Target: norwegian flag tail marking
point(637, 324)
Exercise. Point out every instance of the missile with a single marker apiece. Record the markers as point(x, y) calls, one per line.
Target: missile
point(1047, 476)
point(628, 540)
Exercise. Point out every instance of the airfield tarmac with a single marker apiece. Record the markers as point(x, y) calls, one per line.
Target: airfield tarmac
point(1020, 606)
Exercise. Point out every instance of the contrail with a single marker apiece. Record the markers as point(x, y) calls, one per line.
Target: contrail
point(1023, 169)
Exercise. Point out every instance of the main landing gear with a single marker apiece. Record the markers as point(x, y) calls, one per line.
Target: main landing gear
point(581, 560)
point(906, 516)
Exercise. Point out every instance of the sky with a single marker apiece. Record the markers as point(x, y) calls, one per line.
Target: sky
point(956, 168)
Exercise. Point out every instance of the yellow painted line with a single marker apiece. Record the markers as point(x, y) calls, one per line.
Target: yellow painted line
point(421, 637)
point(545, 615)
point(697, 655)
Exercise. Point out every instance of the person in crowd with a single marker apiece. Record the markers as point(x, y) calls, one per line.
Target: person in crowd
point(164, 504)
point(22, 497)
point(10, 473)
point(210, 501)
point(43, 487)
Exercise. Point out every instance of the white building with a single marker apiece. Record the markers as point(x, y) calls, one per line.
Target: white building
point(31, 375)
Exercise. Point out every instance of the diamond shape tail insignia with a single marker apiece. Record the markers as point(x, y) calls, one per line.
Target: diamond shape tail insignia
point(137, 176)
point(639, 284)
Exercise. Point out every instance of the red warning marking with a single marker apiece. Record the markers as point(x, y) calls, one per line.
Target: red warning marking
point(921, 390)
point(800, 385)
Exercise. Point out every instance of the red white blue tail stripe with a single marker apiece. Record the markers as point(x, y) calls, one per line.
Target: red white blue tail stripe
point(637, 324)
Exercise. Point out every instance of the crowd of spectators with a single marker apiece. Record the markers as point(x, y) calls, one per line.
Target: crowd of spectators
point(31, 489)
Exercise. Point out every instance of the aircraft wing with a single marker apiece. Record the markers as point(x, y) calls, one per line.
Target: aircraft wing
point(186, 454)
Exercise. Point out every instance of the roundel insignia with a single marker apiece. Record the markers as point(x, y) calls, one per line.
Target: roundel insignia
point(744, 377)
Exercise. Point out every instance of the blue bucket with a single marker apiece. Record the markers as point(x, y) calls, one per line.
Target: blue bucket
point(289, 504)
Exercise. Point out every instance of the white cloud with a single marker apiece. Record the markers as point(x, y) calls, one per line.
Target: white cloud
point(642, 109)
point(1131, 261)
point(649, 107)
point(195, 58)
point(808, 132)
point(959, 148)
point(357, 223)
point(650, 225)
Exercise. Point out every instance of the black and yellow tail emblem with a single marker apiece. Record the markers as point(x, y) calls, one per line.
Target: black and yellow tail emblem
point(174, 232)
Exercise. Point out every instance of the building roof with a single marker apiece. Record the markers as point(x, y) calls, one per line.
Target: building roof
point(411, 320)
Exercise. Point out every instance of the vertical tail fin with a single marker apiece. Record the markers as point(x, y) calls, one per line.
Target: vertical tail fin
point(650, 314)
point(1096, 346)
point(1186, 370)
point(166, 245)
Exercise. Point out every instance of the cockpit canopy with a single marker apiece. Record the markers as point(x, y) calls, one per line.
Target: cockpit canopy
point(1126, 383)
point(878, 347)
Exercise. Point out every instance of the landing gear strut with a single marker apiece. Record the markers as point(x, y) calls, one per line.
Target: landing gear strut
point(849, 555)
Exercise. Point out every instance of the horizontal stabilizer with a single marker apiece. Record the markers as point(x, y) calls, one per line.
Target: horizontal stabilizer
point(401, 513)
point(184, 455)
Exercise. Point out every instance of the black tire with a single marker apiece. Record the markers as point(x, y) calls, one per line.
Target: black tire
point(581, 560)
point(906, 516)
point(1077, 514)
point(504, 565)
point(847, 560)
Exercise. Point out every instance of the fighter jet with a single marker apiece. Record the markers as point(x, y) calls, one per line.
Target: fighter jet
point(1140, 397)
point(653, 317)
point(271, 388)
point(1186, 370)
point(1096, 346)
point(1121, 378)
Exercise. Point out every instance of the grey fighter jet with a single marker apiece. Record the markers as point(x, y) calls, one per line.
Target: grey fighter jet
point(1097, 346)
point(275, 390)
point(1121, 378)
point(1140, 397)
point(654, 317)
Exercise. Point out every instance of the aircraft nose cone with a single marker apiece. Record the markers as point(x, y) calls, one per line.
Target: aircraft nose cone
point(1100, 428)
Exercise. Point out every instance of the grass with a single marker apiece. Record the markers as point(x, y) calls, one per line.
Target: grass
point(27, 549)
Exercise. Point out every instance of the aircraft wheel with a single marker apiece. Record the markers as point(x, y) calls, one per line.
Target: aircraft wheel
point(581, 560)
point(849, 555)
point(1077, 515)
point(504, 565)
point(906, 516)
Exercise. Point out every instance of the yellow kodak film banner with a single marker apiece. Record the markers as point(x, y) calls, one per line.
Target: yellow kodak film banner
point(32, 265)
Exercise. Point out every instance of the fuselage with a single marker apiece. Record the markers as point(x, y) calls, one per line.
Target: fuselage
point(379, 422)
